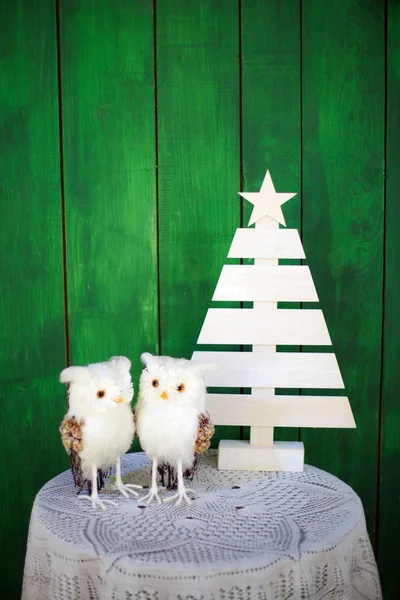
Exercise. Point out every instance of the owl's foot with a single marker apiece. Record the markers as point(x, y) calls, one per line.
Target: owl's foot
point(96, 502)
point(127, 488)
point(153, 493)
point(181, 495)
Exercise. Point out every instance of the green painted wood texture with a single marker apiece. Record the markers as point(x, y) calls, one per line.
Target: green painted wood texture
point(343, 198)
point(271, 101)
point(389, 492)
point(107, 80)
point(168, 109)
point(32, 297)
point(198, 161)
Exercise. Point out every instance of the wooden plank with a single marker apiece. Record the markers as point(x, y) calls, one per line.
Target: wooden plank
point(235, 326)
point(276, 243)
point(239, 455)
point(283, 369)
point(199, 177)
point(343, 179)
point(110, 185)
point(271, 121)
point(389, 493)
point(266, 283)
point(280, 411)
point(32, 402)
point(263, 435)
point(271, 99)
point(259, 436)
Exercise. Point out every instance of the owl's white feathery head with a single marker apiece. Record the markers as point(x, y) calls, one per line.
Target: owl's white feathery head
point(146, 358)
point(177, 381)
point(98, 387)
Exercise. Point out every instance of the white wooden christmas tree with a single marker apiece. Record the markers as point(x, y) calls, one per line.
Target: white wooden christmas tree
point(264, 327)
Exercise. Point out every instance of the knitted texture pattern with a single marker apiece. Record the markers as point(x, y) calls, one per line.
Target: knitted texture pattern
point(247, 536)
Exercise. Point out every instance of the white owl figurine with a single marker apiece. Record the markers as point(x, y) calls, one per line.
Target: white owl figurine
point(98, 427)
point(171, 420)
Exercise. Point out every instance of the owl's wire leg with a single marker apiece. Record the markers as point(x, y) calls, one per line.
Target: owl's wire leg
point(94, 498)
point(182, 491)
point(124, 488)
point(153, 492)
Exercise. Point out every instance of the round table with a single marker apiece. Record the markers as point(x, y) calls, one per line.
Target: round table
point(247, 536)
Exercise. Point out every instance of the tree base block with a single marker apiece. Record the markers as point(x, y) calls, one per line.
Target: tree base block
point(239, 455)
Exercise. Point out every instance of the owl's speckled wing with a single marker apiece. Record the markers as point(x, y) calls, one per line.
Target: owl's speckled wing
point(71, 434)
point(204, 433)
point(72, 439)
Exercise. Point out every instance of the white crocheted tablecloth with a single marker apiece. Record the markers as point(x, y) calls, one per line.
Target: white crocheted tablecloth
point(248, 536)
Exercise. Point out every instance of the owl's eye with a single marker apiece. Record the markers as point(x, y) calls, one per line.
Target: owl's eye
point(155, 383)
point(101, 393)
point(180, 387)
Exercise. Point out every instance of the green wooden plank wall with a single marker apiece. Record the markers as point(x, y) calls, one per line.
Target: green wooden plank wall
point(107, 85)
point(271, 94)
point(127, 129)
point(343, 205)
point(389, 496)
point(198, 122)
point(32, 322)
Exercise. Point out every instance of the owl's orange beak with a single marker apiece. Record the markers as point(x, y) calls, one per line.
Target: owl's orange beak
point(118, 400)
point(164, 395)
